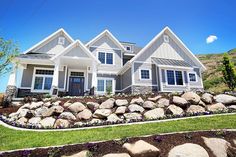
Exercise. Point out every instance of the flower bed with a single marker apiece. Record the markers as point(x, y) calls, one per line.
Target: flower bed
point(78, 113)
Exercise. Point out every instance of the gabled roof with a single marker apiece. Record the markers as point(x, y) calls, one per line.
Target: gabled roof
point(168, 31)
point(104, 33)
point(73, 45)
point(47, 39)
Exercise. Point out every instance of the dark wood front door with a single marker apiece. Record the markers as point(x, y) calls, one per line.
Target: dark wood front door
point(76, 86)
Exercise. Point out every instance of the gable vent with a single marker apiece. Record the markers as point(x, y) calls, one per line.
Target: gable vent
point(166, 38)
point(61, 40)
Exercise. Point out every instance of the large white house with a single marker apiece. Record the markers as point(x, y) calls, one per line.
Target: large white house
point(60, 64)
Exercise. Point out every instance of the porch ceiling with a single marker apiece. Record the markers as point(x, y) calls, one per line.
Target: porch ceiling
point(76, 63)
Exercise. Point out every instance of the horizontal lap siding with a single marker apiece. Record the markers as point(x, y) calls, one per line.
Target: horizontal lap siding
point(199, 82)
point(126, 79)
point(78, 52)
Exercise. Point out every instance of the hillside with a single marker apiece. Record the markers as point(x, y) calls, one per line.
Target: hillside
point(212, 77)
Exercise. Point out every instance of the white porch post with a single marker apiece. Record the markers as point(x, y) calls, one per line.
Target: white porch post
point(12, 77)
point(94, 76)
point(54, 88)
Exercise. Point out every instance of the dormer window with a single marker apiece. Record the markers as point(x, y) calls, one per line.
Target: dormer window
point(61, 40)
point(105, 57)
point(128, 48)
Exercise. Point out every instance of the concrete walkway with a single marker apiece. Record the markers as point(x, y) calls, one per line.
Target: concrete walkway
point(106, 126)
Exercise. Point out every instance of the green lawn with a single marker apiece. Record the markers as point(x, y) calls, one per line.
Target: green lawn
point(12, 139)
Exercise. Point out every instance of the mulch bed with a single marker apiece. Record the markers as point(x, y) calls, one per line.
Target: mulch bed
point(8, 110)
point(164, 142)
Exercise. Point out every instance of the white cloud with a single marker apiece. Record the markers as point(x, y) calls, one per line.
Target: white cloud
point(211, 39)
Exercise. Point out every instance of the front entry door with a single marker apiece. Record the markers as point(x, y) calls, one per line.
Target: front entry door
point(76, 86)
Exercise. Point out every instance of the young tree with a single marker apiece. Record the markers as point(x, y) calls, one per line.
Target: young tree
point(8, 51)
point(229, 72)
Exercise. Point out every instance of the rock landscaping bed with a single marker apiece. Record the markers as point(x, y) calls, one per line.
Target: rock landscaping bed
point(219, 143)
point(95, 111)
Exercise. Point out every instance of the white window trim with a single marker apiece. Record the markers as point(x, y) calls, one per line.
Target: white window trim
point(61, 41)
point(40, 75)
point(113, 57)
point(77, 70)
point(130, 50)
point(193, 72)
point(106, 78)
point(166, 38)
point(150, 74)
point(175, 85)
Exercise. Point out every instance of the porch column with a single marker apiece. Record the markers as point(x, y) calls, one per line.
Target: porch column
point(94, 76)
point(54, 88)
point(12, 77)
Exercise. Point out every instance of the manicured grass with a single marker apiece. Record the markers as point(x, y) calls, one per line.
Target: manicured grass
point(12, 139)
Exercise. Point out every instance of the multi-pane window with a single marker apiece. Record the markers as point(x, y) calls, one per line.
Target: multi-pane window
point(174, 77)
point(170, 77)
point(192, 77)
point(145, 74)
point(105, 58)
point(101, 57)
point(43, 79)
point(109, 58)
point(105, 85)
point(73, 73)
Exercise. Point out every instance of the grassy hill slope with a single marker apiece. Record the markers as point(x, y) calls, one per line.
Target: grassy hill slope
point(212, 77)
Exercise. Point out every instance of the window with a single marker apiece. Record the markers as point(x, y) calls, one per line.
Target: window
point(145, 74)
point(170, 77)
point(192, 77)
point(101, 57)
point(105, 58)
point(61, 40)
point(105, 85)
point(109, 58)
point(174, 77)
point(43, 79)
point(100, 86)
point(76, 74)
point(128, 48)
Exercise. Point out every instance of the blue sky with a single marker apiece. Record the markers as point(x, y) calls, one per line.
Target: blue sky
point(27, 22)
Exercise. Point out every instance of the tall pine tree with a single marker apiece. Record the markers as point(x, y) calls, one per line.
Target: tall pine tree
point(229, 72)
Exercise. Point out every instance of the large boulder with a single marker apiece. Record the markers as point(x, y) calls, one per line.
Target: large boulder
point(117, 155)
point(216, 107)
point(135, 108)
point(121, 110)
point(56, 109)
point(141, 149)
point(42, 112)
point(149, 105)
point(67, 104)
point(61, 123)
point(35, 105)
point(174, 110)
point(24, 113)
point(138, 101)
point(132, 116)
point(232, 107)
point(217, 146)
point(191, 97)
point(181, 102)
point(67, 115)
point(22, 121)
point(155, 113)
point(163, 102)
point(47, 122)
point(225, 99)
point(154, 99)
point(35, 121)
point(102, 113)
point(47, 104)
point(108, 104)
point(92, 105)
point(122, 102)
point(195, 109)
point(84, 115)
point(188, 150)
point(207, 98)
point(76, 107)
point(113, 118)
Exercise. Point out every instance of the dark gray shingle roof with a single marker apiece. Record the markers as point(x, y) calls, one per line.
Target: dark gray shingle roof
point(172, 62)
